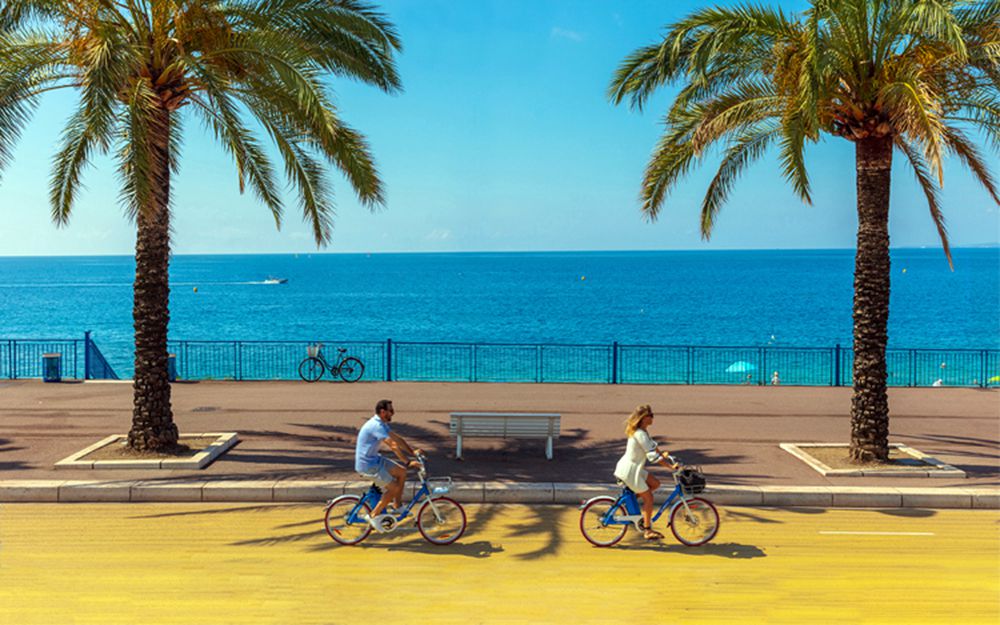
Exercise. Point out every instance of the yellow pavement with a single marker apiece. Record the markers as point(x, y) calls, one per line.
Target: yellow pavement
point(206, 564)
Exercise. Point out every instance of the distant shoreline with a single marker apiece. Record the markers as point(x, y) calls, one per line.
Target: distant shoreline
point(984, 246)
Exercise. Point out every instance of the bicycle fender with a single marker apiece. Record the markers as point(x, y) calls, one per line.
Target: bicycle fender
point(584, 504)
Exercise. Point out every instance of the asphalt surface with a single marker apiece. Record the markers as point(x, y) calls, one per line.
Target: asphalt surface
point(239, 563)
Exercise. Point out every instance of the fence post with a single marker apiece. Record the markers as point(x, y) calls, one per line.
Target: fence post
point(86, 355)
point(238, 352)
point(688, 375)
point(982, 369)
point(475, 362)
point(836, 365)
point(13, 361)
point(762, 363)
point(614, 362)
point(10, 357)
point(388, 360)
point(913, 367)
point(538, 363)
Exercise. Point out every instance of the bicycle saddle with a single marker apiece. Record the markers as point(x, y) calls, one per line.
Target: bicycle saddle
point(622, 484)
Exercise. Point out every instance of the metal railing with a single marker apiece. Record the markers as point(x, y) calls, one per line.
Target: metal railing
point(80, 358)
point(613, 363)
point(586, 364)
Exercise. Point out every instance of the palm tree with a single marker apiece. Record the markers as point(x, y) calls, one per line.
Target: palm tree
point(142, 68)
point(911, 75)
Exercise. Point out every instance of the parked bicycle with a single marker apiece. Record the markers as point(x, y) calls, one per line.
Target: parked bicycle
point(312, 368)
point(693, 520)
point(441, 520)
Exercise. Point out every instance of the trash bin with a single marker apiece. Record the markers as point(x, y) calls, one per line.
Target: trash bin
point(171, 367)
point(52, 367)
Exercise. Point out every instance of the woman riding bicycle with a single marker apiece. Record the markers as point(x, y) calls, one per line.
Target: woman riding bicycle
point(631, 468)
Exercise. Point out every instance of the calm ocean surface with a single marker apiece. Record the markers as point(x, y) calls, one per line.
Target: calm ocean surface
point(753, 298)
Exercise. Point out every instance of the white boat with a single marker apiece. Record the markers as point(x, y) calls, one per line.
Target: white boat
point(272, 280)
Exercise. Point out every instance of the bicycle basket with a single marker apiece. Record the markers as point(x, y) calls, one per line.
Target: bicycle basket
point(439, 485)
point(313, 351)
point(692, 480)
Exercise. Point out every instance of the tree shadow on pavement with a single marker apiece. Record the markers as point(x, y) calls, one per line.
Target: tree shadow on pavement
point(733, 516)
point(474, 549)
point(11, 465)
point(241, 508)
point(732, 551)
point(913, 513)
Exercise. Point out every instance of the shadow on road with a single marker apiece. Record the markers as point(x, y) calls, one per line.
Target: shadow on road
point(466, 549)
point(733, 551)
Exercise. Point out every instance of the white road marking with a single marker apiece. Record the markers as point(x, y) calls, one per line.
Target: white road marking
point(847, 533)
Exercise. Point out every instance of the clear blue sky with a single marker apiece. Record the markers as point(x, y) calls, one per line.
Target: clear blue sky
point(502, 140)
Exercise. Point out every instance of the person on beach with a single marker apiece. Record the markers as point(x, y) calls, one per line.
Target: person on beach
point(631, 468)
point(384, 472)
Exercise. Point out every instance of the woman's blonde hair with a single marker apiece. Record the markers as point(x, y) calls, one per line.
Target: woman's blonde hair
point(632, 423)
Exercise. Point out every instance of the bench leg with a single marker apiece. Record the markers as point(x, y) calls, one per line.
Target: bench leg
point(458, 448)
point(548, 449)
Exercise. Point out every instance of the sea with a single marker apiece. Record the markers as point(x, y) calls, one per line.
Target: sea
point(795, 298)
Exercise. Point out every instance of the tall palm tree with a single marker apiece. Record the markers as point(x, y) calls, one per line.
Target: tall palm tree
point(144, 67)
point(911, 75)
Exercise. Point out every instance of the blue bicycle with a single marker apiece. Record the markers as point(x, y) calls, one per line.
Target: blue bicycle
point(693, 520)
point(441, 520)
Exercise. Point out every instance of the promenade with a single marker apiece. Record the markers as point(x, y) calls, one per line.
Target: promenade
point(298, 431)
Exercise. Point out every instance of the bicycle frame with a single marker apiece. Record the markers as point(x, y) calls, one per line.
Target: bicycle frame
point(334, 369)
point(633, 507)
point(374, 495)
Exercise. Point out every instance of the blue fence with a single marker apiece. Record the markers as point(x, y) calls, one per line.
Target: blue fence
point(589, 364)
point(526, 362)
point(80, 358)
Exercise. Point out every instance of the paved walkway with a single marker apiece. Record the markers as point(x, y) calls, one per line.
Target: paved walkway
point(294, 431)
point(237, 563)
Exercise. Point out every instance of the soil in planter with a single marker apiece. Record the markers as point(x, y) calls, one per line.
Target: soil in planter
point(187, 447)
point(838, 458)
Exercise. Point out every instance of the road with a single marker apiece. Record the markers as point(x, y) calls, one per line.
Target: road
point(207, 564)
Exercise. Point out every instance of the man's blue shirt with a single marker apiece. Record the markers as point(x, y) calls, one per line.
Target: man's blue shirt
point(371, 435)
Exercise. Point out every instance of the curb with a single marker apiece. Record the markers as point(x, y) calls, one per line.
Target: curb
point(312, 491)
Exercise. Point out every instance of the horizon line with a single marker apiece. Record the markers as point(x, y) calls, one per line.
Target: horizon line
point(548, 251)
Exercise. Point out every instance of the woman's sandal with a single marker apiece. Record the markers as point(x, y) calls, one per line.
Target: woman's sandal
point(652, 535)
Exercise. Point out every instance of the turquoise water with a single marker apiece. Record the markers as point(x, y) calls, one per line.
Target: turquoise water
point(741, 298)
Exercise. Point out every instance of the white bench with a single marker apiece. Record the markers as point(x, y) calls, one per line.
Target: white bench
point(505, 425)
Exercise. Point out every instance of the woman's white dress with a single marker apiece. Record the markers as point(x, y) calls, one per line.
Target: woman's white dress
point(631, 468)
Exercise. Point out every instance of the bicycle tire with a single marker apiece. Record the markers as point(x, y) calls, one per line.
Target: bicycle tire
point(590, 522)
point(311, 369)
point(447, 530)
point(335, 517)
point(351, 369)
point(704, 515)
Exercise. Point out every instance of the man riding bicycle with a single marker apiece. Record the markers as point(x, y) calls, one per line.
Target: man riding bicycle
point(387, 474)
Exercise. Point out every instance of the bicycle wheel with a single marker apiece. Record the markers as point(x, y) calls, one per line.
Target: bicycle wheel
point(351, 369)
point(311, 369)
point(695, 525)
point(592, 524)
point(337, 524)
point(444, 526)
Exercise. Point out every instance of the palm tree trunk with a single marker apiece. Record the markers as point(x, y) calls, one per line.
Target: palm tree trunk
point(152, 420)
point(870, 404)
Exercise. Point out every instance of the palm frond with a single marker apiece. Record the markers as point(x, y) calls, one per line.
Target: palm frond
point(930, 189)
point(746, 148)
point(960, 145)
